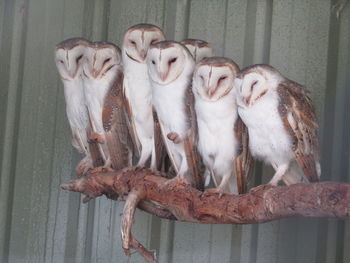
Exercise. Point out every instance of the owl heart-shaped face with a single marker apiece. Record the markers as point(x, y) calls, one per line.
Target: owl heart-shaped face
point(166, 61)
point(138, 39)
point(255, 82)
point(100, 60)
point(253, 87)
point(199, 49)
point(214, 78)
point(69, 56)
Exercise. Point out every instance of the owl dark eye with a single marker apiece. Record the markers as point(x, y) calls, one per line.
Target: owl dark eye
point(154, 41)
point(222, 78)
point(106, 61)
point(79, 58)
point(153, 62)
point(61, 61)
point(132, 42)
point(172, 60)
point(254, 83)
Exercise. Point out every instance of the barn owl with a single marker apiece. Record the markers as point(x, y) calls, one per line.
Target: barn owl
point(199, 49)
point(220, 130)
point(281, 121)
point(69, 55)
point(170, 68)
point(137, 89)
point(103, 81)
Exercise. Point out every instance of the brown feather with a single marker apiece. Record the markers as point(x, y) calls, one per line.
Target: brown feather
point(115, 125)
point(131, 126)
point(299, 119)
point(243, 163)
point(94, 149)
point(160, 150)
point(190, 141)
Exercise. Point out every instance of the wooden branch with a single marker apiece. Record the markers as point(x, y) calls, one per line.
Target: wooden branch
point(150, 191)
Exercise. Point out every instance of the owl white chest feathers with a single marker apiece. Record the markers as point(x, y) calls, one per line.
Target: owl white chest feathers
point(76, 111)
point(268, 139)
point(217, 142)
point(169, 102)
point(137, 88)
point(95, 91)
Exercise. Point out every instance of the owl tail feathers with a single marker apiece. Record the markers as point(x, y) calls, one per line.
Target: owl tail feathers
point(294, 175)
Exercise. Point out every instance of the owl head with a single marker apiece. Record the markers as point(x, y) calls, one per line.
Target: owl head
point(101, 60)
point(69, 56)
point(199, 49)
point(167, 60)
point(255, 82)
point(213, 78)
point(138, 38)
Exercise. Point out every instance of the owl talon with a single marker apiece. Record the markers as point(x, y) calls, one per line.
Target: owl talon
point(95, 137)
point(107, 166)
point(174, 137)
point(100, 169)
point(213, 191)
point(108, 170)
point(84, 166)
point(261, 188)
point(172, 183)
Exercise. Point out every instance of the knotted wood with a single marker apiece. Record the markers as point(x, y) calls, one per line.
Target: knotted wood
point(177, 200)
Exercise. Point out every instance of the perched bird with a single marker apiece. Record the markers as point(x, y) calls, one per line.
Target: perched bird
point(137, 89)
point(103, 83)
point(69, 56)
point(199, 49)
point(281, 121)
point(220, 130)
point(170, 66)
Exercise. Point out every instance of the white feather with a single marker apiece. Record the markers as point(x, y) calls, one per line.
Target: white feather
point(95, 93)
point(217, 142)
point(76, 110)
point(138, 91)
point(169, 102)
point(268, 139)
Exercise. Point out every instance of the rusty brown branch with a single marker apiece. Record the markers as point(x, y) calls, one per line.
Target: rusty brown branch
point(180, 201)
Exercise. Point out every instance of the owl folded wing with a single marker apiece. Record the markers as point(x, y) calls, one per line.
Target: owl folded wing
point(299, 119)
point(190, 141)
point(160, 148)
point(243, 163)
point(118, 139)
point(131, 121)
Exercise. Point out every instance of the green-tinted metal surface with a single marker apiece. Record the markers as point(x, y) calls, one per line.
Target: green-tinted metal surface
point(40, 223)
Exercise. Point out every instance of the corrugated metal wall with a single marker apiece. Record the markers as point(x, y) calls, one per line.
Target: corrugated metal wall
point(40, 223)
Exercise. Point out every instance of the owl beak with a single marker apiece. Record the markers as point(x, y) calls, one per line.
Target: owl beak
point(143, 54)
point(72, 73)
point(211, 91)
point(247, 100)
point(163, 75)
point(95, 73)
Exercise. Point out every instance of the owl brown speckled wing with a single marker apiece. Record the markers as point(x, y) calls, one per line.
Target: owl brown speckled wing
point(160, 149)
point(95, 149)
point(244, 163)
point(115, 126)
point(299, 119)
point(190, 141)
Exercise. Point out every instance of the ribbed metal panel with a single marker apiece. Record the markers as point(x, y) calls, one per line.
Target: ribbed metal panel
point(40, 223)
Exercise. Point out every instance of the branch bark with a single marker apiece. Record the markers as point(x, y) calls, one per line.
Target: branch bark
point(153, 193)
